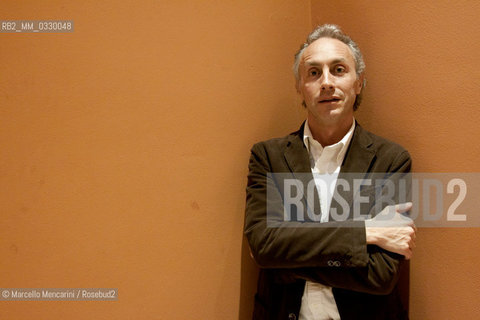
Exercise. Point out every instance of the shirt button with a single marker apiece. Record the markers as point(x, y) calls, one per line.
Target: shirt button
point(292, 316)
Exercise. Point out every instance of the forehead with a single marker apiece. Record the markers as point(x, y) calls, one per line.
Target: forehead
point(327, 50)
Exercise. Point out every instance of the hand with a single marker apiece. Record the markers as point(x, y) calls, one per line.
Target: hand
point(392, 231)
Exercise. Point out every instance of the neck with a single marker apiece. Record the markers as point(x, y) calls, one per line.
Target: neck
point(326, 134)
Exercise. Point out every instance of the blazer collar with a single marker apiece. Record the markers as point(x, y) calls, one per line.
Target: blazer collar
point(360, 153)
point(296, 154)
point(358, 157)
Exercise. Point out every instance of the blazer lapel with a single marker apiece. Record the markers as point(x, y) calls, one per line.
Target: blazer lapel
point(358, 159)
point(298, 161)
point(359, 155)
point(296, 154)
point(356, 165)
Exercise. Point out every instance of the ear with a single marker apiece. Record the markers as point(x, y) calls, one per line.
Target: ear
point(297, 85)
point(359, 84)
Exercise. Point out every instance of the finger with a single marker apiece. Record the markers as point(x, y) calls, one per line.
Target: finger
point(403, 207)
point(408, 254)
point(414, 233)
point(412, 244)
point(406, 219)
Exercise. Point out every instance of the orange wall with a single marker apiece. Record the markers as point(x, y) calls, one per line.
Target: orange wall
point(423, 70)
point(124, 148)
point(124, 145)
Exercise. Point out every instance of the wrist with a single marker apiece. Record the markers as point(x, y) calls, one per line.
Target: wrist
point(371, 235)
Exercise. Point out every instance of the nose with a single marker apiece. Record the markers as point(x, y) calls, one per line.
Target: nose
point(326, 81)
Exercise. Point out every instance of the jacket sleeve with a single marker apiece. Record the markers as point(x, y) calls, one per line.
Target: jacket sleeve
point(379, 276)
point(332, 253)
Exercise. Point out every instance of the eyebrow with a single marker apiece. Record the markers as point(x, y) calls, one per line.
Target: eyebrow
point(316, 63)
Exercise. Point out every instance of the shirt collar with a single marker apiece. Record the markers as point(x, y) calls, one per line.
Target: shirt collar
point(315, 148)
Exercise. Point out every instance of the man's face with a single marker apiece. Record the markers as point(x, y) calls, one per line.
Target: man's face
point(328, 82)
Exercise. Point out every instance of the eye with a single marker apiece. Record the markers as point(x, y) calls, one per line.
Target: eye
point(339, 69)
point(313, 72)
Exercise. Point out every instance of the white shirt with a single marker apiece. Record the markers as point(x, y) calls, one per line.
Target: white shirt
point(318, 302)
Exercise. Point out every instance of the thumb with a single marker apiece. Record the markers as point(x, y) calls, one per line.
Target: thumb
point(403, 207)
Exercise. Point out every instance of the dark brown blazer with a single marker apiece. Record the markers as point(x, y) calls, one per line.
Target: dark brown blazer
point(364, 277)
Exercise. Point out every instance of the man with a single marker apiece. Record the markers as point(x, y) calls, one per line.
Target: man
point(313, 266)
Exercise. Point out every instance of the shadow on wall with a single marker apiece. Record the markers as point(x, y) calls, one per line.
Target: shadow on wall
point(248, 283)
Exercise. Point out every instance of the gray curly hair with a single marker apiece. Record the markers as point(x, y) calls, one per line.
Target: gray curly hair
point(334, 32)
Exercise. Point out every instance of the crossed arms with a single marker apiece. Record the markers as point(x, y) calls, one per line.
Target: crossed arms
point(354, 255)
